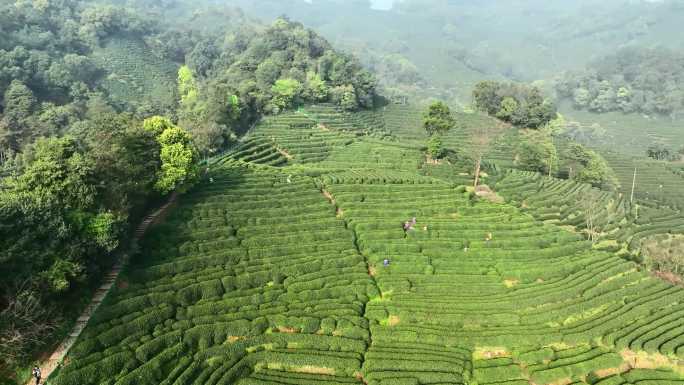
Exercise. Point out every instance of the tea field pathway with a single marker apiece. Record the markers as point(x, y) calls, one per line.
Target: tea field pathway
point(48, 366)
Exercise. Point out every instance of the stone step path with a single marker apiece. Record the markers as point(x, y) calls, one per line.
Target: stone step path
point(49, 366)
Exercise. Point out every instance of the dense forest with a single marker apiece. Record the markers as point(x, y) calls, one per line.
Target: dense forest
point(104, 111)
point(641, 80)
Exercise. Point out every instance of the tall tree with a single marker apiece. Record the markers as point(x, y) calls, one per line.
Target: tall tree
point(178, 155)
point(438, 119)
point(15, 127)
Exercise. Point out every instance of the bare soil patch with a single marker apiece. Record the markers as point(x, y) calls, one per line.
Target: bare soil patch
point(511, 282)
point(484, 192)
point(234, 339)
point(488, 352)
point(436, 162)
point(328, 196)
point(669, 277)
point(359, 376)
point(372, 271)
point(644, 360)
point(309, 369)
point(602, 373)
point(285, 154)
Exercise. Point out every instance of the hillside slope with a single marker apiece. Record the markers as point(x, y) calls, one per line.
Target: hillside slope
point(271, 271)
point(136, 77)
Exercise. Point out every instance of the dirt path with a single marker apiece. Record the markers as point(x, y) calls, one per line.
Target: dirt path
point(48, 366)
point(393, 320)
point(285, 153)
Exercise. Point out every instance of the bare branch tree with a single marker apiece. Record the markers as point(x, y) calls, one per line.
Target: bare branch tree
point(592, 210)
point(24, 323)
point(482, 138)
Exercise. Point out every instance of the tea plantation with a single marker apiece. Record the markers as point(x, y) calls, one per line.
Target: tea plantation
point(290, 264)
point(655, 183)
point(136, 75)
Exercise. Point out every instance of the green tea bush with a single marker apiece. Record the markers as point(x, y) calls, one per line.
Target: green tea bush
point(257, 279)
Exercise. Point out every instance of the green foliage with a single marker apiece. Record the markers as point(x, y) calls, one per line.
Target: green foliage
point(435, 148)
point(66, 69)
point(103, 229)
point(126, 157)
point(315, 89)
point(57, 172)
point(187, 87)
point(17, 121)
point(201, 117)
point(452, 50)
point(66, 213)
point(256, 277)
point(286, 92)
point(177, 163)
point(291, 64)
point(178, 156)
point(537, 156)
point(509, 106)
point(588, 166)
point(438, 119)
point(518, 104)
point(659, 151)
point(156, 125)
point(344, 96)
point(56, 197)
point(57, 61)
point(630, 80)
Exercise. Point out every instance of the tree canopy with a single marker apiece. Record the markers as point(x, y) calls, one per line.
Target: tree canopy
point(519, 104)
point(178, 156)
point(438, 119)
point(587, 166)
point(631, 80)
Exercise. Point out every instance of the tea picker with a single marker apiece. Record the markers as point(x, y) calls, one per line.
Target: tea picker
point(408, 225)
point(36, 374)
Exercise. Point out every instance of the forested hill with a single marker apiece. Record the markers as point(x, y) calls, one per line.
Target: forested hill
point(63, 60)
point(647, 81)
point(442, 48)
point(104, 110)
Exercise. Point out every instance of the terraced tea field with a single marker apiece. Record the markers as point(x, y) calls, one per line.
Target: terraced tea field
point(138, 76)
point(273, 272)
point(655, 181)
point(609, 215)
point(631, 133)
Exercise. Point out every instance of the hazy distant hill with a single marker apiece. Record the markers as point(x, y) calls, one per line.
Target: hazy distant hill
point(457, 42)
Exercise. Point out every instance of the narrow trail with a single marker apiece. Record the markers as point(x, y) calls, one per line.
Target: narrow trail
point(48, 366)
point(371, 270)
